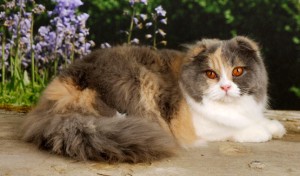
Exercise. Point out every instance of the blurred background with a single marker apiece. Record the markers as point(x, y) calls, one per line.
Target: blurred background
point(274, 24)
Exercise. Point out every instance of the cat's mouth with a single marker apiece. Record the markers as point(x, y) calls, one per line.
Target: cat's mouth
point(227, 98)
point(230, 96)
point(223, 96)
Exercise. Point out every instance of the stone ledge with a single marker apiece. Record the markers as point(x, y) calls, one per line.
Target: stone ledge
point(277, 157)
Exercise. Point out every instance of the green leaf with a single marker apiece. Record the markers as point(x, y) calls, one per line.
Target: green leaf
point(228, 16)
point(296, 40)
point(295, 90)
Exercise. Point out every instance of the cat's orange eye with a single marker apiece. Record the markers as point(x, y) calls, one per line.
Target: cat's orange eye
point(238, 71)
point(211, 74)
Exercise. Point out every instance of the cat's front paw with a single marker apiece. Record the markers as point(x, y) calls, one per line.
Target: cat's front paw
point(276, 128)
point(253, 134)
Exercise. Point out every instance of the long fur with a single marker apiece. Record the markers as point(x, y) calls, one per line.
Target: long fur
point(165, 96)
point(104, 139)
point(77, 115)
point(237, 113)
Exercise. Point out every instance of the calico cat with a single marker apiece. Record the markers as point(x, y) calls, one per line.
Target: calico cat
point(137, 104)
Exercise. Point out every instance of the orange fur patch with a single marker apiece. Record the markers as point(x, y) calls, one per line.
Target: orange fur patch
point(176, 65)
point(182, 126)
point(68, 97)
point(218, 64)
point(149, 92)
point(194, 50)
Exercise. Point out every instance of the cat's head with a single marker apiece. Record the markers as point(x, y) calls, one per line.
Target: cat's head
point(223, 70)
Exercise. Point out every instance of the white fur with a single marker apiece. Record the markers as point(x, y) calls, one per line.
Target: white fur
point(225, 116)
point(120, 115)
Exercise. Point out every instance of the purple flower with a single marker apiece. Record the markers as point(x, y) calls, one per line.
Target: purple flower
point(161, 32)
point(135, 20)
point(8, 22)
point(10, 4)
point(68, 3)
point(2, 15)
point(43, 31)
point(143, 17)
point(160, 11)
point(83, 18)
point(164, 42)
point(49, 12)
point(66, 34)
point(148, 24)
point(21, 3)
point(38, 9)
point(124, 32)
point(135, 41)
point(132, 2)
point(148, 36)
point(18, 25)
point(163, 21)
point(105, 45)
point(144, 2)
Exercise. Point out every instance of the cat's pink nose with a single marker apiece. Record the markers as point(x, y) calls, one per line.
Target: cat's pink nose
point(225, 87)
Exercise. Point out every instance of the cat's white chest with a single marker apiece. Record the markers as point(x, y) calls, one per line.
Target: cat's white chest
point(218, 121)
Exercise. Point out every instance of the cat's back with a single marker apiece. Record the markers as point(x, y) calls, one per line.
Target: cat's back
point(127, 76)
point(122, 56)
point(135, 56)
point(112, 62)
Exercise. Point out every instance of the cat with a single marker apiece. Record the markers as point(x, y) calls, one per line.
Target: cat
point(227, 94)
point(137, 104)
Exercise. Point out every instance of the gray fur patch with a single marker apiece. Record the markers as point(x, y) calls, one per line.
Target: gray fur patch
point(237, 50)
point(104, 139)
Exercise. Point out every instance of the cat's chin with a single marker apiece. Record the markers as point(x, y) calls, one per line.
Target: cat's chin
point(225, 99)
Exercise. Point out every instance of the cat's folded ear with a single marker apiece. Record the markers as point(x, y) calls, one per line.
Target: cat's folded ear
point(200, 47)
point(245, 44)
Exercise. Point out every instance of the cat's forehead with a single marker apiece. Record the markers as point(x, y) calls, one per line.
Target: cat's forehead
point(225, 54)
point(222, 58)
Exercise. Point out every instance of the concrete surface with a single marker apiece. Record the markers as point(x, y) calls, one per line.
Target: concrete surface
point(277, 157)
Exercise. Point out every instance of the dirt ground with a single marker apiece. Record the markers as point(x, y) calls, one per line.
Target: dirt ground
point(277, 157)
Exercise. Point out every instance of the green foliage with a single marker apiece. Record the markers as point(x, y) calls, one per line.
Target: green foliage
point(29, 59)
point(27, 96)
point(295, 90)
point(108, 18)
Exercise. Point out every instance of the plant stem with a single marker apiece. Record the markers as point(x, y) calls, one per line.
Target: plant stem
point(131, 26)
point(3, 59)
point(72, 53)
point(55, 54)
point(55, 66)
point(32, 54)
point(155, 30)
point(154, 36)
point(11, 63)
point(17, 63)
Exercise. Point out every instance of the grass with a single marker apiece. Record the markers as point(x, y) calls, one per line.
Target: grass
point(19, 96)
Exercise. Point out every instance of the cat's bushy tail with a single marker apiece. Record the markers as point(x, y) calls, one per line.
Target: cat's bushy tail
point(105, 139)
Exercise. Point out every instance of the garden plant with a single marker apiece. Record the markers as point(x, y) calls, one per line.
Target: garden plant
point(30, 59)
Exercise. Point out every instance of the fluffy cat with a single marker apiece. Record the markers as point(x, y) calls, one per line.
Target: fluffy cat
point(137, 104)
point(225, 86)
